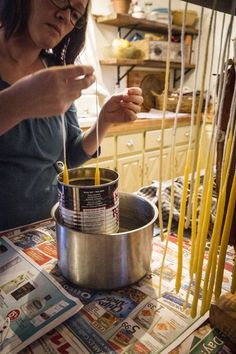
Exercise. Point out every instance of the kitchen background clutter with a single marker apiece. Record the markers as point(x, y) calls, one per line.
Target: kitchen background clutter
point(120, 47)
point(107, 25)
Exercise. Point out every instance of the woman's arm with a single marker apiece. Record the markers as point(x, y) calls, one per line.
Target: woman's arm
point(45, 93)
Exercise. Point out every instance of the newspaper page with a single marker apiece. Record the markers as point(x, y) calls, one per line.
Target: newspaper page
point(205, 340)
point(137, 320)
point(133, 320)
point(31, 301)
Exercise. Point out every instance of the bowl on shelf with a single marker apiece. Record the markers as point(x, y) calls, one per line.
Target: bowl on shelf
point(122, 49)
point(191, 18)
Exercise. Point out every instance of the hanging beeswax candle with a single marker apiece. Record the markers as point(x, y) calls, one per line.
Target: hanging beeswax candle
point(233, 285)
point(97, 170)
point(225, 238)
point(181, 223)
point(65, 171)
point(202, 239)
point(215, 238)
point(173, 145)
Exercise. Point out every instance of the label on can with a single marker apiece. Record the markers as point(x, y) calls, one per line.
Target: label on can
point(92, 210)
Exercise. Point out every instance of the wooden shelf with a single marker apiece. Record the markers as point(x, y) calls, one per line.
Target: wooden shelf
point(146, 63)
point(124, 20)
point(132, 23)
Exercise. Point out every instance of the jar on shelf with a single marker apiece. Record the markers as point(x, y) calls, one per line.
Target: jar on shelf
point(148, 7)
point(121, 6)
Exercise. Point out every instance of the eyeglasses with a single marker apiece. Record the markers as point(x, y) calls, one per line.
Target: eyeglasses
point(76, 18)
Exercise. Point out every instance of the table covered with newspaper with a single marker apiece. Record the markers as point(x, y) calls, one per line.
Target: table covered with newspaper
point(41, 312)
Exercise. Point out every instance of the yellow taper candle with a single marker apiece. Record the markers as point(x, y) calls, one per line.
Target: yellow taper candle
point(225, 238)
point(181, 222)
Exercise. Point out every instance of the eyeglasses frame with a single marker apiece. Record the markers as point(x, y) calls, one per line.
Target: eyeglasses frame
point(71, 8)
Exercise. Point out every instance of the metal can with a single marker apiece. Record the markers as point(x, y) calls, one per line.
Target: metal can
point(87, 207)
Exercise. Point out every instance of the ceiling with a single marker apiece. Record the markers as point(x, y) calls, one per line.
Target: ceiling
point(219, 5)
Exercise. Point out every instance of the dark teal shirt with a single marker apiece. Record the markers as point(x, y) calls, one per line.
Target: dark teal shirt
point(28, 154)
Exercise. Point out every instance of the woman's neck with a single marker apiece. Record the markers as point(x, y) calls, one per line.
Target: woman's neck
point(21, 51)
point(18, 57)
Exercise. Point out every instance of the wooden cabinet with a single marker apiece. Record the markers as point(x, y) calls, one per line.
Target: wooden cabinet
point(130, 161)
point(152, 166)
point(130, 169)
point(152, 155)
point(136, 155)
point(182, 144)
point(107, 159)
point(206, 142)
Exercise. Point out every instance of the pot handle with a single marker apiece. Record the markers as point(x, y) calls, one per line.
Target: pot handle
point(53, 211)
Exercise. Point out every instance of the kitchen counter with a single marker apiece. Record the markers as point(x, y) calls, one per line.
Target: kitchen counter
point(145, 121)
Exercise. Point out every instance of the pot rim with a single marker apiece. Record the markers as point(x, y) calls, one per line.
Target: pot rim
point(55, 208)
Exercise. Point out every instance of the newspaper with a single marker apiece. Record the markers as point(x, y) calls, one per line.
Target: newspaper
point(31, 301)
point(133, 320)
point(205, 340)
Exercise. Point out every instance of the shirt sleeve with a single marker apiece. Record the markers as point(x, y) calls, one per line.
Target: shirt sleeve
point(76, 155)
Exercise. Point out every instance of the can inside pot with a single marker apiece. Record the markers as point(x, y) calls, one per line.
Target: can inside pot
point(101, 261)
point(86, 207)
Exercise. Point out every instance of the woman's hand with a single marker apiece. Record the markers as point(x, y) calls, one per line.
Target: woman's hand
point(45, 93)
point(122, 107)
point(51, 91)
point(119, 108)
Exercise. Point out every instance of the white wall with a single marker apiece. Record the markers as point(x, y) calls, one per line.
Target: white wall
point(103, 35)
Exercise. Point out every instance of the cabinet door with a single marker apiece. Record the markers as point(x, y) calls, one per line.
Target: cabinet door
point(107, 158)
point(207, 140)
point(102, 164)
point(152, 166)
point(130, 172)
point(108, 148)
point(180, 159)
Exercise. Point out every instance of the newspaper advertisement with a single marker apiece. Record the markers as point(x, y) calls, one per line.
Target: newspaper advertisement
point(205, 339)
point(31, 302)
point(139, 319)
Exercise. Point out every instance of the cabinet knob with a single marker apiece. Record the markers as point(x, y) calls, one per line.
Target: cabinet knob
point(187, 134)
point(158, 138)
point(130, 143)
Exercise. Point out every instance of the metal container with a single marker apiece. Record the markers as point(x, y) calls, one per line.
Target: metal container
point(87, 207)
point(112, 261)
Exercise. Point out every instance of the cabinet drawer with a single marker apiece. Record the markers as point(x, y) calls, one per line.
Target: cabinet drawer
point(129, 143)
point(108, 147)
point(183, 134)
point(153, 139)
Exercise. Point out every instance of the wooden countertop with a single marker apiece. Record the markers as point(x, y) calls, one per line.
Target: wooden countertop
point(147, 124)
point(143, 124)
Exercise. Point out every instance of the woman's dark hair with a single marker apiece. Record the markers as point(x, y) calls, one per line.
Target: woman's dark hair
point(14, 16)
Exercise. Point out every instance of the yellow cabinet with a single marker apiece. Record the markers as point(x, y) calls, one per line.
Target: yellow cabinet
point(136, 156)
point(130, 173)
point(107, 159)
point(129, 144)
point(152, 155)
point(152, 166)
point(130, 161)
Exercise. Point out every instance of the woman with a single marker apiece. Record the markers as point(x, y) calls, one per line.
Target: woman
point(35, 34)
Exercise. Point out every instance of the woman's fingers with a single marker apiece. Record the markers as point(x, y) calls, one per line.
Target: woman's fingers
point(131, 106)
point(81, 83)
point(71, 72)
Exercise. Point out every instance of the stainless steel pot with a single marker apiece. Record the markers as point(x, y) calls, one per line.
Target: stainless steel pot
point(112, 261)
